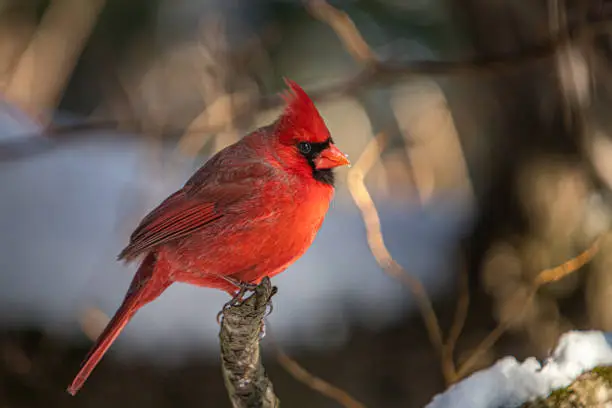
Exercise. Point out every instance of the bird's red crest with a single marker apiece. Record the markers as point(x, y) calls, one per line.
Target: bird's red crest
point(301, 120)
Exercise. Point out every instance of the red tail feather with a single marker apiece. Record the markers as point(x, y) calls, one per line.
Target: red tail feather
point(142, 290)
point(106, 339)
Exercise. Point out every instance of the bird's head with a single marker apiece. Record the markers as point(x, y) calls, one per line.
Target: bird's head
point(304, 136)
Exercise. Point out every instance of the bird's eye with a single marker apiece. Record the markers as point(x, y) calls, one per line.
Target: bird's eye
point(305, 147)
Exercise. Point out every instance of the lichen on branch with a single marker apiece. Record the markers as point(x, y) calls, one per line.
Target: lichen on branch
point(590, 390)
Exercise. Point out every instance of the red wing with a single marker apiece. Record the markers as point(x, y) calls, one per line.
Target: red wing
point(176, 217)
point(220, 186)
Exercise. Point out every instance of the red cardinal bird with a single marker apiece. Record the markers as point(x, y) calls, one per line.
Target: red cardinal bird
point(251, 211)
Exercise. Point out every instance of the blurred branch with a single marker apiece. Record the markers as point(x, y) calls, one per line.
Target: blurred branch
point(22, 146)
point(47, 64)
point(377, 71)
point(364, 201)
point(366, 205)
point(544, 277)
point(214, 90)
point(245, 378)
point(16, 29)
point(463, 303)
point(573, 85)
point(558, 24)
point(316, 383)
point(568, 267)
point(345, 28)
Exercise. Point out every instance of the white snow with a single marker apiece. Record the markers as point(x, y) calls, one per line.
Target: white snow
point(509, 383)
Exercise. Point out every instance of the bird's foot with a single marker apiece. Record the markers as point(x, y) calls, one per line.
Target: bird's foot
point(237, 298)
point(243, 288)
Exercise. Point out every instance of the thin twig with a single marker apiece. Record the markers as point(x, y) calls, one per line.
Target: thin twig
point(305, 377)
point(463, 304)
point(544, 277)
point(345, 28)
point(316, 383)
point(568, 267)
point(366, 205)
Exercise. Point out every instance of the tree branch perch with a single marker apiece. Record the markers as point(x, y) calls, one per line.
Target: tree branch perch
point(245, 377)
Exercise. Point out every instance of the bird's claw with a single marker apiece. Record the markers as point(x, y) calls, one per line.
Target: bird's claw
point(236, 300)
point(219, 317)
point(269, 308)
point(238, 297)
point(244, 287)
point(223, 309)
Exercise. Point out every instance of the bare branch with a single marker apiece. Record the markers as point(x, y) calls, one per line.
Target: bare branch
point(245, 378)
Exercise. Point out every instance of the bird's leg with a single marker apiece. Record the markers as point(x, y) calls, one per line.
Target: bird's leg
point(240, 285)
point(236, 299)
point(248, 286)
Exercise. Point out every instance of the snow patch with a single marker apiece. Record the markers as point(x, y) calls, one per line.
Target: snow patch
point(509, 383)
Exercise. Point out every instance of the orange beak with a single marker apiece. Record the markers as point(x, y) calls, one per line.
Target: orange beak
point(330, 158)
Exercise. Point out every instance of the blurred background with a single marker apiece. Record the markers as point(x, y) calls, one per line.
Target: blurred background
point(496, 164)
